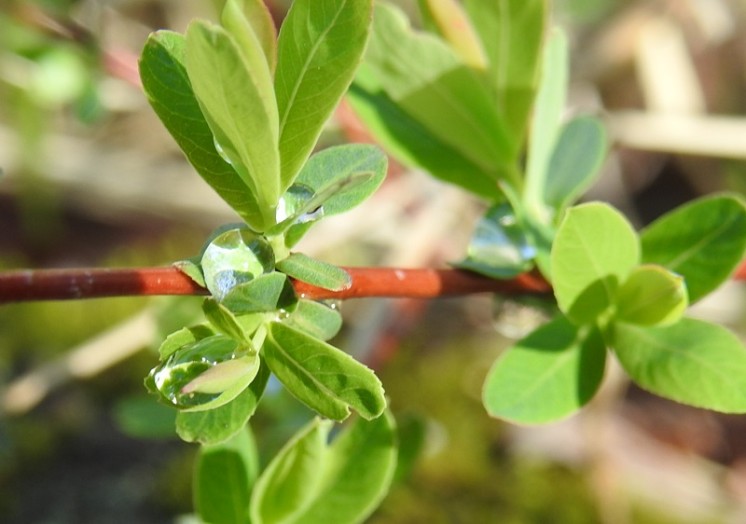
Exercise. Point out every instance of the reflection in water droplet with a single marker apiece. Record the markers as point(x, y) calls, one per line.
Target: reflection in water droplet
point(336, 305)
point(293, 201)
point(173, 376)
point(221, 151)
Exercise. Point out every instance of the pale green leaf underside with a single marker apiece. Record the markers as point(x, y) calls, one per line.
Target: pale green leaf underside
point(692, 362)
point(575, 161)
point(236, 105)
point(546, 120)
point(547, 376)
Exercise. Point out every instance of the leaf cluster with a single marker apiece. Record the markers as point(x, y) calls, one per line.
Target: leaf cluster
point(626, 292)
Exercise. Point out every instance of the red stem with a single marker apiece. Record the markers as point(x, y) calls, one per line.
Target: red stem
point(70, 284)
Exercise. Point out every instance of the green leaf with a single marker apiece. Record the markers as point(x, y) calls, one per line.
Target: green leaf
point(240, 108)
point(593, 252)
point(316, 319)
point(320, 46)
point(257, 15)
point(430, 83)
point(223, 477)
point(548, 375)
point(499, 247)
point(235, 257)
point(220, 424)
point(315, 272)
point(412, 143)
point(575, 162)
point(650, 296)
point(170, 93)
point(310, 482)
point(546, 122)
point(703, 241)
point(692, 362)
point(512, 33)
point(184, 337)
point(223, 320)
point(266, 293)
point(191, 268)
point(290, 481)
point(451, 22)
point(338, 164)
point(326, 379)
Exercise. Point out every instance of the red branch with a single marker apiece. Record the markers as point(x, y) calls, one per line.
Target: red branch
point(70, 284)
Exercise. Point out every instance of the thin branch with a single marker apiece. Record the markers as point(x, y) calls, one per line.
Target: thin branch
point(73, 284)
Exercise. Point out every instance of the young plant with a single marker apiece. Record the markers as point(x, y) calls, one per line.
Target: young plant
point(247, 106)
point(461, 103)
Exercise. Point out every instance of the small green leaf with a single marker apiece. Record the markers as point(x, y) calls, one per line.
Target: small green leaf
point(546, 122)
point(266, 293)
point(499, 247)
point(692, 362)
point(703, 241)
point(593, 252)
point(315, 272)
point(234, 100)
point(219, 424)
point(575, 162)
point(323, 377)
point(235, 257)
point(548, 375)
point(310, 482)
point(450, 19)
point(338, 164)
point(320, 46)
point(223, 477)
point(190, 267)
point(223, 320)
point(431, 84)
point(184, 337)
point(169, 91)
point(316, 319)
point(256, 13)
point(651, 296)
point(512, 34)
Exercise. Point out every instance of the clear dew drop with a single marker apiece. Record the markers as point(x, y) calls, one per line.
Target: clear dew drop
point(221, 152)
point(171, 378)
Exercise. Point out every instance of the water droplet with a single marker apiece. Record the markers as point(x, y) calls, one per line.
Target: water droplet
point(205, 374)
point(221, 152)
point(235, 257)
point(293, 202)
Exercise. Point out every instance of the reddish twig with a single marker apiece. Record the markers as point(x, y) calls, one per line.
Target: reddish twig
point(71, 284)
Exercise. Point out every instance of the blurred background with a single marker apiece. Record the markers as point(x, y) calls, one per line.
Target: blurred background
point(91, 178)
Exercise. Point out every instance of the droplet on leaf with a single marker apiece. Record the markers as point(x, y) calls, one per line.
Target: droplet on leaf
point(204, 374)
